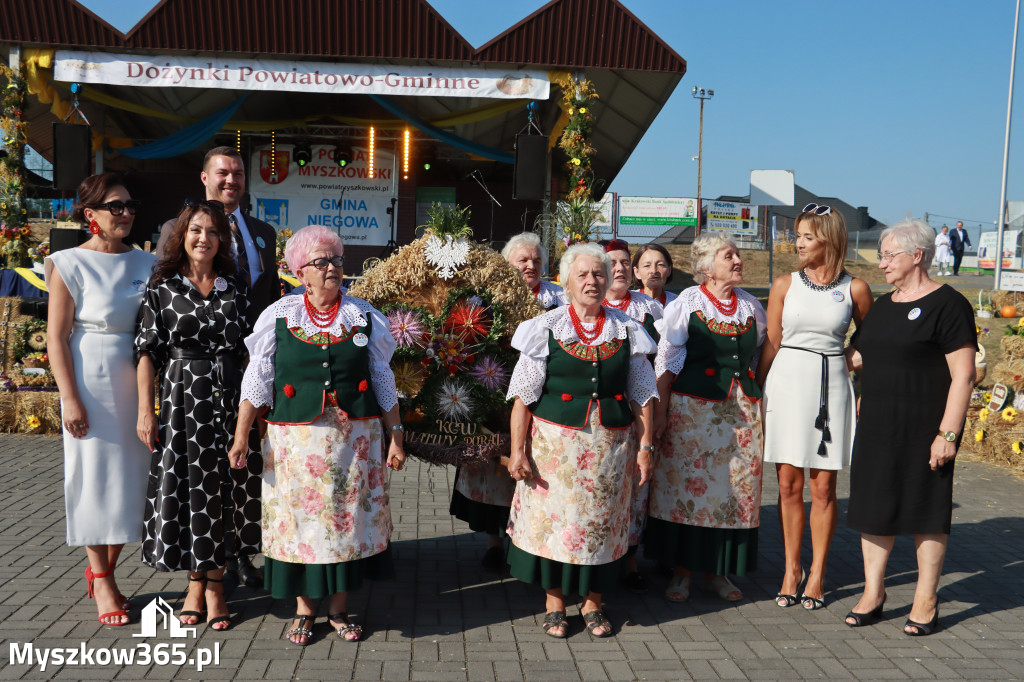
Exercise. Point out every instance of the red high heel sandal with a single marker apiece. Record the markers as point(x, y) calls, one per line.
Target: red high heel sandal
point(125, 604)
point(90, 576)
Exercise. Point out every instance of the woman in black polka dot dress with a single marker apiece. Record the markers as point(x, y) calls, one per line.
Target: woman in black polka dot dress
point(190, 330)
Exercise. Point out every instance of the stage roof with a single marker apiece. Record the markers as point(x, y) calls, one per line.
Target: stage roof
point(632, 69)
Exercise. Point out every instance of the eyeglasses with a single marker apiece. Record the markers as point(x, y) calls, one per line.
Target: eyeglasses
point(889, 255)
point(817, 209)
point(118, 207)
point(209, 203)
point(322, 262)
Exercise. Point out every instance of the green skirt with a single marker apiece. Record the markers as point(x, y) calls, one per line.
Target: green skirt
point(481, 517)
point(316, 581)
point(551, 574)
point(711, 550)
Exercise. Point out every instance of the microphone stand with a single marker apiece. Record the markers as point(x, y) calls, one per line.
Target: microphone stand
point(392, 245)
point(483, 185)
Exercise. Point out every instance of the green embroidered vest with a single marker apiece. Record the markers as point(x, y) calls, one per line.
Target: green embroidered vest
point(579, 375)
point(717, 354)
point(314, 371)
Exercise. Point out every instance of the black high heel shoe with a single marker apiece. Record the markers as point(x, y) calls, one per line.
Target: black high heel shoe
point(869, 618)
point(922, 629)
point(784, 601)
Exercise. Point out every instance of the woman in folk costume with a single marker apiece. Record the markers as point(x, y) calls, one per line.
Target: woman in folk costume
point(527, 255)
point(652, 267)
point(483, 491)
point(647, 312)
point(319, 366)
point(706, 487)
point(583, 381)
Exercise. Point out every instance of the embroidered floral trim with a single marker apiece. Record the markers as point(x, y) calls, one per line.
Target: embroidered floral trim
point(322, 337)
point(592, 353)
point(726, 328)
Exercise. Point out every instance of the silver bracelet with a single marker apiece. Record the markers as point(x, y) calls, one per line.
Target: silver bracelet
point(649, 448)
point(396, 427)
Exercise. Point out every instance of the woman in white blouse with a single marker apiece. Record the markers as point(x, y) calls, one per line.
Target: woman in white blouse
point(706, 488)
point(581, 441)
point(319, 374)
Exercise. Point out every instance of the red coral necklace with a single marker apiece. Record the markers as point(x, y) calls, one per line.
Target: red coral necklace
point(724, 308)
point(585, 336)
point(621, 305)
point(322, 319)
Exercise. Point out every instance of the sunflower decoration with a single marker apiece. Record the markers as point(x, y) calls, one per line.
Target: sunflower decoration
point(452, 326)
point(979, 435)
point(1009, 413)
point(1017, 445)
point(32, 422)
point(37, 339)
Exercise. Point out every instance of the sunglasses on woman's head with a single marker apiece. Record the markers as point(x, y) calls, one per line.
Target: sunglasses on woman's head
point(322, 262)
point(817, 209)
point(118, 207)
point(209, 203)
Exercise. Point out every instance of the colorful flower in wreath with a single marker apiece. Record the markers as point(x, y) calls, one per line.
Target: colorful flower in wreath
point(490, 373)
point(32, 422)
point(454, 400)
point(406, 327)
point(37, 340)
point(409, 378)
point(470, 321)
point(1009, 413)
point(986, 396)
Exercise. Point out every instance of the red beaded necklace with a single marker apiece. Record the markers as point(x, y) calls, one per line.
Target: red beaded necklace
point(536, 289)
point(585, 336)
point(724, 308)
point(621, 305)
point(321, 319)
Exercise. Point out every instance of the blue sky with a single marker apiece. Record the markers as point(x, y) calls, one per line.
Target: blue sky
point(896, 105)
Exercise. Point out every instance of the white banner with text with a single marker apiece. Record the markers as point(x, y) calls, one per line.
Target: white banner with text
point(345, 199)
point(181, 71)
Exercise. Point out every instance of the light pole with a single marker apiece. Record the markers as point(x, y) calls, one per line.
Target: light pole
point(701, 94)
point(1006, 160)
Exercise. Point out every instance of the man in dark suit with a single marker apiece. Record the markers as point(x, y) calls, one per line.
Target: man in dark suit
point(958, 239)
point(255, 244)
point(223, 176)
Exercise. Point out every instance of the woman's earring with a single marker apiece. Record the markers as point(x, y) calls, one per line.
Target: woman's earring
point(94, 226)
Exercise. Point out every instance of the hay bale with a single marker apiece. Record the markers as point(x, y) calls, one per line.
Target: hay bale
point(997, 445)
point(1014, 298)
point(18, 407)
point(1012, 346)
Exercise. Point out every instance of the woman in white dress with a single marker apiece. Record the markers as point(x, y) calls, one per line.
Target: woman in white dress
point(809, 407)
point(943, 253)
point(95, 292)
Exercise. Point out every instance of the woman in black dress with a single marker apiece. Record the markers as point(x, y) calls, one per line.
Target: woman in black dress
point(917, 347)
point(190, 331)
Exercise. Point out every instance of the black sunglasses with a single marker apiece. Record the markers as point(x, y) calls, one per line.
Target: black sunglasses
point(322, 262)
point(209, 203)
point(118, 207)
point(817, 209)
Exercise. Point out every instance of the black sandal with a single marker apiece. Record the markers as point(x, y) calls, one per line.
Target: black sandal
point(870, 618)
point(555, 619)
point(922, 629)
point(812, 604)
point(198, 615)
point(597, 619)
point(301, 630)
point(219, 619)
point(784, 601)
point(349, 626)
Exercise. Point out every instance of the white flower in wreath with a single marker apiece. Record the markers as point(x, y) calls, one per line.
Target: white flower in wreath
point(447, 255)
point(454, 401)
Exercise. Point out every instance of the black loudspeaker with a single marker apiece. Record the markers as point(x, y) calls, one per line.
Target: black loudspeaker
point(529, 174)
point(72, 146)
point(62, 238)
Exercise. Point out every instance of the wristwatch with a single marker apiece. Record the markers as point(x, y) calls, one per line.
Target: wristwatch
point(948, 435)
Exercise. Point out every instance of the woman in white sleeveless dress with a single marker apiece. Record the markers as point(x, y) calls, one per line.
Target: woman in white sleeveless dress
point(943, 253)
point(95, 292)
point(809, 406)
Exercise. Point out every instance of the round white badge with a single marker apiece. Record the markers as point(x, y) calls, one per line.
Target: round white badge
point(260, 243)
point(837, 296)
point(360, 339)
point(914, 314)
point(220, 284)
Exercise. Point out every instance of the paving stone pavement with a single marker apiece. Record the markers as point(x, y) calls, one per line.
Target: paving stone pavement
point(444, 618)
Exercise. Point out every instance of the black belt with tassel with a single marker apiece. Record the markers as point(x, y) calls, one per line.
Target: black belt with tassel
point(821, 422)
